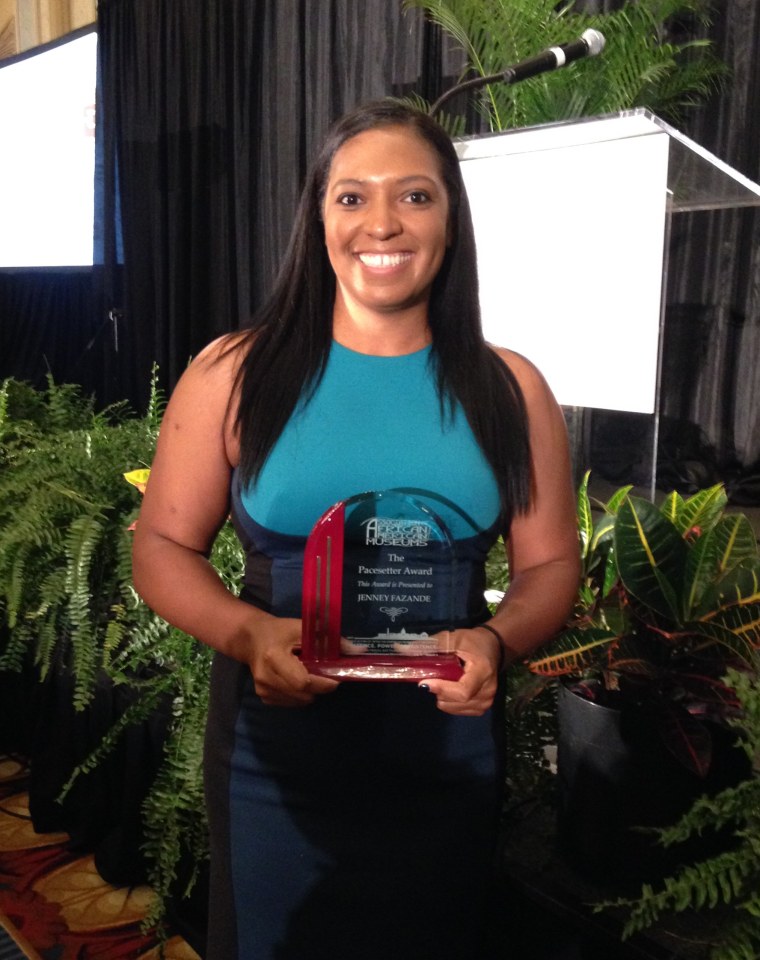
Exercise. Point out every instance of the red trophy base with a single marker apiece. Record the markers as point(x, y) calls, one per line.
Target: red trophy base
point(446, 666)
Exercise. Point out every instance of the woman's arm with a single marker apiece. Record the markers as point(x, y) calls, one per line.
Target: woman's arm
point(544, 560)
point(185, 504)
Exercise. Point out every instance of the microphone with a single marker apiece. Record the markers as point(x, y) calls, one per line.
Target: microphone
point(589, 44)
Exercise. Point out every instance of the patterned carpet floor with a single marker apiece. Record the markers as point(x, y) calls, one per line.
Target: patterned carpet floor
point(53, 903)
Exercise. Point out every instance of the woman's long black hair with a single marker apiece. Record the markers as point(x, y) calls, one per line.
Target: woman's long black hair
point(286, 350)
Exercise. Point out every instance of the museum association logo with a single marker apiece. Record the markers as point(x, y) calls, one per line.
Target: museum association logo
point(393, 532)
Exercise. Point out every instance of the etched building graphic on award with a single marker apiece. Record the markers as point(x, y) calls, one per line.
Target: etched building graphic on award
point(378, 591)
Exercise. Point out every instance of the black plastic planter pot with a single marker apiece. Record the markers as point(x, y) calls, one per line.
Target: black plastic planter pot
point(615, 775)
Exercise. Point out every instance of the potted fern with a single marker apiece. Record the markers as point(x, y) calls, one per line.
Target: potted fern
point(725, 886)
point(65, 598)
point(669, 601)
point(97, 668)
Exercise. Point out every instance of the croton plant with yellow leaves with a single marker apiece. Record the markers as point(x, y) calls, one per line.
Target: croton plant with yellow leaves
point(669, 601)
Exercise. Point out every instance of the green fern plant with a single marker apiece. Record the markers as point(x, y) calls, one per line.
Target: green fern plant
point(63, 507)
point(642, 65)
point(67, 601)
point(730, 879)
point(174, 813)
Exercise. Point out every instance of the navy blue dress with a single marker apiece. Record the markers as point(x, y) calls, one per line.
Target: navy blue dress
point(364, 825)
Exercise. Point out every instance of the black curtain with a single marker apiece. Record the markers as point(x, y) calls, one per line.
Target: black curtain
point(210, 113)
point(48, 326)
point(55, 323)
point(710, 415)
point(713, 332)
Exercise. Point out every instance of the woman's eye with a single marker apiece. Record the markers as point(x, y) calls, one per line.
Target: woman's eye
point(418, 196)
point(349, 199)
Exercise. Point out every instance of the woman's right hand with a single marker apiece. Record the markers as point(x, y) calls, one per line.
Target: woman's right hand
point(279, 677)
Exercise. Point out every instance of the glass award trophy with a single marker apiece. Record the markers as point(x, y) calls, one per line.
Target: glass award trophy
point(378, 591)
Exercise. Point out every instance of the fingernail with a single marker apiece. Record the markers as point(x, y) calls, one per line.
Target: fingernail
point(425, 687)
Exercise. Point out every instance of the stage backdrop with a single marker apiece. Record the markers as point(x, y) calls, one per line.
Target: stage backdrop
point(209, 113)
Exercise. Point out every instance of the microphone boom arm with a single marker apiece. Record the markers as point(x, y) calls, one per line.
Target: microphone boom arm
point(507, 76)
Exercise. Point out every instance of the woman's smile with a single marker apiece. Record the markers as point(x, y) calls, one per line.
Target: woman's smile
point(384, 261)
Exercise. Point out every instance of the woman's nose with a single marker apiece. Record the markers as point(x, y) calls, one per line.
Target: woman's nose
point(382, 220)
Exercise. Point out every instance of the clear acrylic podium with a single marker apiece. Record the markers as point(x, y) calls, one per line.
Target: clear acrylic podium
point(572, 225)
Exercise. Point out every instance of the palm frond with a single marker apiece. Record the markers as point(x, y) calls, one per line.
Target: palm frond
point(641, 64)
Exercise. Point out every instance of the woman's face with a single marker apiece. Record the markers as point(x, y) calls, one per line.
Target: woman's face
point(386, 220)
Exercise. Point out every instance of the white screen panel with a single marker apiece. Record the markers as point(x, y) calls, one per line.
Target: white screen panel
point(570, 257)
point(47, 160)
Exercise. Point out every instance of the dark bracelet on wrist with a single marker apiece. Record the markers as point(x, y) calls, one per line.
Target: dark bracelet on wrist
point(500, 641)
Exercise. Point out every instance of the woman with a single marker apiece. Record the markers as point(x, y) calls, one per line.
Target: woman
point(359, 819)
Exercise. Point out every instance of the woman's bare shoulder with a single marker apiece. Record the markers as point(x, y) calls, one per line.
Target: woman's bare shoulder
point(212, 373)
point(203, 400)
point(221, 357)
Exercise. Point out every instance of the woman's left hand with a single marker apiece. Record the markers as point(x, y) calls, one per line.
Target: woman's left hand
point(473, 693)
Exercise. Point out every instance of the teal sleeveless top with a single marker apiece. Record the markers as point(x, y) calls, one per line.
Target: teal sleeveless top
point(373, 423)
